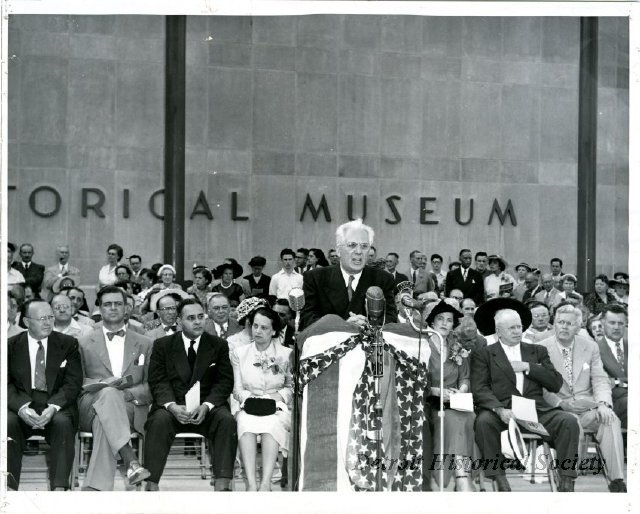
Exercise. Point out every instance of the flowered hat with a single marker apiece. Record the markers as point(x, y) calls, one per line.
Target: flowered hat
point(248, 305)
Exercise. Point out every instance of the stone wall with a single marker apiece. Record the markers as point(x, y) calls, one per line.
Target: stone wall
point(279, 108)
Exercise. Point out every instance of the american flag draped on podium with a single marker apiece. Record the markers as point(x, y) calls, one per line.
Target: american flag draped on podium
point(337, 415)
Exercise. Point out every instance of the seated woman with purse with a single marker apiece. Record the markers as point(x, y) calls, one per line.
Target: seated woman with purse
point(263, 385)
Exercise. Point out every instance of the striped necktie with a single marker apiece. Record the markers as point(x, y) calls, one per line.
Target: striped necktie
point(350, 288)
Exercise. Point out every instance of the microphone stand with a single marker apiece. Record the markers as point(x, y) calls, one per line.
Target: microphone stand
point(295, 450)
point(378, 370)
point(430, 331)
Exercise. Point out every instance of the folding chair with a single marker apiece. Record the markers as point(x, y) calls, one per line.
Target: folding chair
point(201, 450)
point(532, 440)
point(588, 441)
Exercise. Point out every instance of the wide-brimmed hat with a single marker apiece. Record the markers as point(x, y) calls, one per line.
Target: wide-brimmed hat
point(501, 260)
point(441, 307)
point(235, 268)
point(57, 285)
point(525, 266)
point(164, 267)
point(485, 313)
point(571, 277)
point(248, 305)
point(619, 281)
point(178, 293)
point(258, 260)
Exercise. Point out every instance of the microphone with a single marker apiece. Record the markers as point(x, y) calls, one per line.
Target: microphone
point(296, 299)
point(410, 303)
point(375, 306)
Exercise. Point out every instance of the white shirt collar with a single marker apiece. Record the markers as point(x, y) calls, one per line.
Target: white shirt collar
point(345, 277)
point(33, 341)
point(187, 342)
point(105, 330)
point(570, 347)
point(513, 351)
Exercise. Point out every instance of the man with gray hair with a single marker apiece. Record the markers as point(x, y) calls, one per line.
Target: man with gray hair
point(341, 289)
point(585, 390)
point(60, 270)
point(510, 368)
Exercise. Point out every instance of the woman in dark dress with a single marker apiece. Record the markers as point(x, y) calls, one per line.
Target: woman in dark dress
point(600, 296)
point(227, 273)
point(458, 425)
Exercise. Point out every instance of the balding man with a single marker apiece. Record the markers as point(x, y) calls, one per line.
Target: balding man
point(549, 295)
point(64, 322)
point(59, 270)
point(510, 368)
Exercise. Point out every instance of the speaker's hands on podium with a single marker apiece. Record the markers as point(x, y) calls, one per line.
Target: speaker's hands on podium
point(357, 319)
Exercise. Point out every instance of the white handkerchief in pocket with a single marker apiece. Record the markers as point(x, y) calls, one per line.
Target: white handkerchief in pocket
point(141, 359)
point(212, 364)
point(63, 364)
point(586, 365)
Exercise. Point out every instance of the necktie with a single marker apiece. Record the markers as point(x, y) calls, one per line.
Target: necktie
point(172, 327)
point(415, 273)
point(568, 366)
point(221, 331)
point(350, 288)
point(26, 266)
point(546, 297)
point(620, 353)
point(464, 274)
point(39, 381)
point(111, 335)
point(191, 355)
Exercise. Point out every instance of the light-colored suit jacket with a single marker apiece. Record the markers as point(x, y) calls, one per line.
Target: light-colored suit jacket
point(590, 381)
point(554, 297)
point(137, 352)
point(52, 273)
point(76, 329)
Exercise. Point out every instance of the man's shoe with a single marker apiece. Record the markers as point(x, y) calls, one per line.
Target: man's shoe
point(566, 484)
point(136, 473)
point(618, 486)
point(152, 486)
point(502, 484)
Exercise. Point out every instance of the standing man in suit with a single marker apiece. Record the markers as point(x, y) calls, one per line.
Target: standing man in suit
point(391, 264)
point(287, 318)
point(436, 269)
point(614, 351)
point(177, 363)
point(341, 289)
point(510, 367)
point(60, 270)
point(135, 261)
point(586, 391)
point(468, 280)
point(44, 377)
point(112, 352)
point(33, 273)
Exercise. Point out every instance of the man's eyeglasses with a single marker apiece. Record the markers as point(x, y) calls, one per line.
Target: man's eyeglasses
point(42, 319)
point(539, 316)
point(352, 245)
point(563, 323)
point(62, 308)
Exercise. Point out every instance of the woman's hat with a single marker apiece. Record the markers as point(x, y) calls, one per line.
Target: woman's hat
point(485, 313)
point(58, 284)
point(248, 305)
point(501, 261)
point(525, 266)
point(179, 294)
point(571, 277)
point(164, 267)
point(441, 307)
point(619, 281)
point(235, 268)
point(258, 260)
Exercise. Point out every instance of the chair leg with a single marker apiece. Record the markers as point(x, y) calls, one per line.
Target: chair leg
point(75, 482)
point(203, 458)
point(550, 471)
point(533, 447)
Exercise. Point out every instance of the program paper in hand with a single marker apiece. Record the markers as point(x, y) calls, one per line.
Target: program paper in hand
point(192, 398)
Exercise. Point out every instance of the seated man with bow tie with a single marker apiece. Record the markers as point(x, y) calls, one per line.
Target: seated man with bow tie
point(510, 368)
point(179, 361)
point(586, 390)
point(116, 359)
point(219, 323)
point(166, 308)
point(44, 380)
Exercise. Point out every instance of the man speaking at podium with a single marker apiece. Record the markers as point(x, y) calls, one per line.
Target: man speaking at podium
point(342, 289)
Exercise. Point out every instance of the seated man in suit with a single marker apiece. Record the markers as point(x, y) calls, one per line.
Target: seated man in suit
point(341, 289)
point(44, 380)
point(510, 367)
point(219, 322)
point(614, 351)
point(549, 295)
point(287, 317)
point(112, 352)
point(586, 391)
point(179, 361)
point(64, 322)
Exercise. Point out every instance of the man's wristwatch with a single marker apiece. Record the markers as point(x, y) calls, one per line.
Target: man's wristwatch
point(605, 404)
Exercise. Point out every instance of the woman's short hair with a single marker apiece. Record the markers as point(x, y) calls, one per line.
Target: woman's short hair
point(602, 277)
point(146, 272)
point(117, 248)
point(206, 274)
point(124, 267)
point(597, 317)
point(268, 313)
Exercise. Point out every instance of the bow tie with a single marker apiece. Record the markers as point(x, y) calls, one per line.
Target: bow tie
point(172, 327)
point(111, 335)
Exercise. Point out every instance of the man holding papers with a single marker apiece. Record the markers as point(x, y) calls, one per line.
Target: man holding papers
point(183, 364)
point(509, 368)
point(586, 390)
point(116, 397)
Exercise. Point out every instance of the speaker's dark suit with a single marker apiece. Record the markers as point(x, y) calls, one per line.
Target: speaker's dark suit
point(618, 374)
point(170, 378)
point(63, 372)
point(32, 276)
point(325, 292)
point(493, 382)
point(472, 287)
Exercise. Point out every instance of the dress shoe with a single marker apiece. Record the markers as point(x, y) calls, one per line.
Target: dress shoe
point(136, 473)
point(502, 484)
point(618, 486)
point(566, 484)
point(152, 486)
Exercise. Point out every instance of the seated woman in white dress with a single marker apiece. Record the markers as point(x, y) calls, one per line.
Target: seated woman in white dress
point(262, 370)
point(244, 310)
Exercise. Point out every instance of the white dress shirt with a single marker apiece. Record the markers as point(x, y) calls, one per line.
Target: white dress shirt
point(283, 282)
point(614, 349)
point(33, 348)
point(115, 349)
point(356, 279)
point(513, 354)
